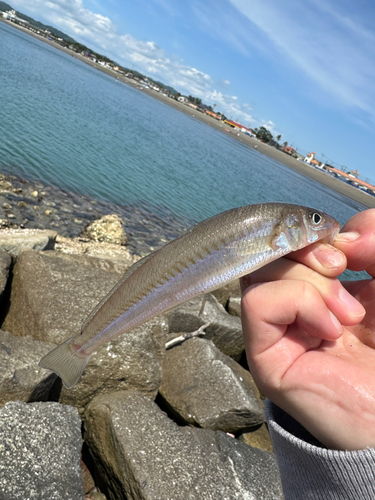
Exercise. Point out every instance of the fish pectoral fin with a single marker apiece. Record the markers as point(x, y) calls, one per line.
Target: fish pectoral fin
point(65, 363)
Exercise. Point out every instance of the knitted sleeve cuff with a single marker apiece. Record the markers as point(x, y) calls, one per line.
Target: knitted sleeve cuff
point(310, 471)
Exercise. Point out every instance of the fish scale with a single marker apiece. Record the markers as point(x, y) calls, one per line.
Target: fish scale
point(209, 255)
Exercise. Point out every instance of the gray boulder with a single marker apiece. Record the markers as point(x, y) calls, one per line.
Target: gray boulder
point(234, 306)
point(225, 330)
point(132, 361)
point(40, 448)
point(208, 389)
point(258, 438)
point(118, 254)
point(15, 241)
point(142, 454)
point(52, 294)
point(20, 376)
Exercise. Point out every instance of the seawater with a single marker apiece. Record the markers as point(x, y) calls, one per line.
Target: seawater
point(67, 124)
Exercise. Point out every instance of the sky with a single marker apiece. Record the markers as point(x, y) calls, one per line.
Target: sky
point(303, 69)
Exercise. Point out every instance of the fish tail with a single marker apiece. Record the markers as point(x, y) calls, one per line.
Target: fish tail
point(65, 363)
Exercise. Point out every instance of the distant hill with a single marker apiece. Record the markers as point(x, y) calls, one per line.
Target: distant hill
point(37, 24)
point(167, 87)
point(4, 6)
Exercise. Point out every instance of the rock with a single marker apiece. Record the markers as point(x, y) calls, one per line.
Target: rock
point(15, 241)
point(132, 361)
point(48, 212)
point(142, 454)
point(223, 293)
point(88, 480)
point(108, 229)
point(258, 438)
point(20, 376)
point(52, 294)
point(91, 248)
point(95, 496)
point(6, 224)
point(207, 389)
point(225, 330)
point(5, 185)
point(234, 306)
point(34, 194)
point(5, 263)
point(40, 447)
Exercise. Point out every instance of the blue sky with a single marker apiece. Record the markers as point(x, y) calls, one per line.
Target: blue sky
point(304, 69)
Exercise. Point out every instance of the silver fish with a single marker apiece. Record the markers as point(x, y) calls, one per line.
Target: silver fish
point(209, 255)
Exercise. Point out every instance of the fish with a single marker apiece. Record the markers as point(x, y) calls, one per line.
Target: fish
point(207, 256)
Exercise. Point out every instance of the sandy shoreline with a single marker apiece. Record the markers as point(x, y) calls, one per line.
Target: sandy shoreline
point(319, 176)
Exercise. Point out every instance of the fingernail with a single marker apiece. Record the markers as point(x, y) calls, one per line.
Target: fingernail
point(347, 237)
point(336, 323)
point(329, 257)
point(351, 304)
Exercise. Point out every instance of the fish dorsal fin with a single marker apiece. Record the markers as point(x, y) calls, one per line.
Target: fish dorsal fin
point(127, 274)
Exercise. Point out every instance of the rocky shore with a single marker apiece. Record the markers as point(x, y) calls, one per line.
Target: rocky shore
point(145, 421)
point(34, 205)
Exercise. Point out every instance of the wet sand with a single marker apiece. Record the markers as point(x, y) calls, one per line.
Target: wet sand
point(320, 176)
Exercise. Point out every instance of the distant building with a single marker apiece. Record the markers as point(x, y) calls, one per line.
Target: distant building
point(11, 15)
point(310, 159)
point(289, 150)
point(211, 113)
point(234, 124)
point(353, 173)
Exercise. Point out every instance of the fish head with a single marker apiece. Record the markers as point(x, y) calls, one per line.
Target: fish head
point(319, 225)
point(300, 226)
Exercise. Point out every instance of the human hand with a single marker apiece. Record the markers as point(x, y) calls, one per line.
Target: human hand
point(310, 340)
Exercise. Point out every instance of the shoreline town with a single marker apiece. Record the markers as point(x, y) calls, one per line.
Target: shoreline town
point(345, 184)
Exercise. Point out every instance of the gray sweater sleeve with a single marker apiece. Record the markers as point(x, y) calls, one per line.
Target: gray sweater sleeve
point(311, 472)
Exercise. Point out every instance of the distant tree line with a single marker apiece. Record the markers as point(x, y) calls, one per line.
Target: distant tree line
point(263, 134)
point(195, 100)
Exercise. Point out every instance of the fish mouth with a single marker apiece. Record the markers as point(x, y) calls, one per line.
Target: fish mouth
point(330, 238)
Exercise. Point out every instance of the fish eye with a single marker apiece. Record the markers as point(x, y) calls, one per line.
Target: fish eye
point(316, 218)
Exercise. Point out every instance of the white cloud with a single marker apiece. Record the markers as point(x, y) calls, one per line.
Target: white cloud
point(100, 34)
point(230, 106)
point(332, 49)
point(68, 15)
point(269, 125)
point(224, 84)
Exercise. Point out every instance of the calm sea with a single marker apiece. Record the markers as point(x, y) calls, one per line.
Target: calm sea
point(71, 126)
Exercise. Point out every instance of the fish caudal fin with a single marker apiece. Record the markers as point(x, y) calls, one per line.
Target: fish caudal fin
point(65, 363)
